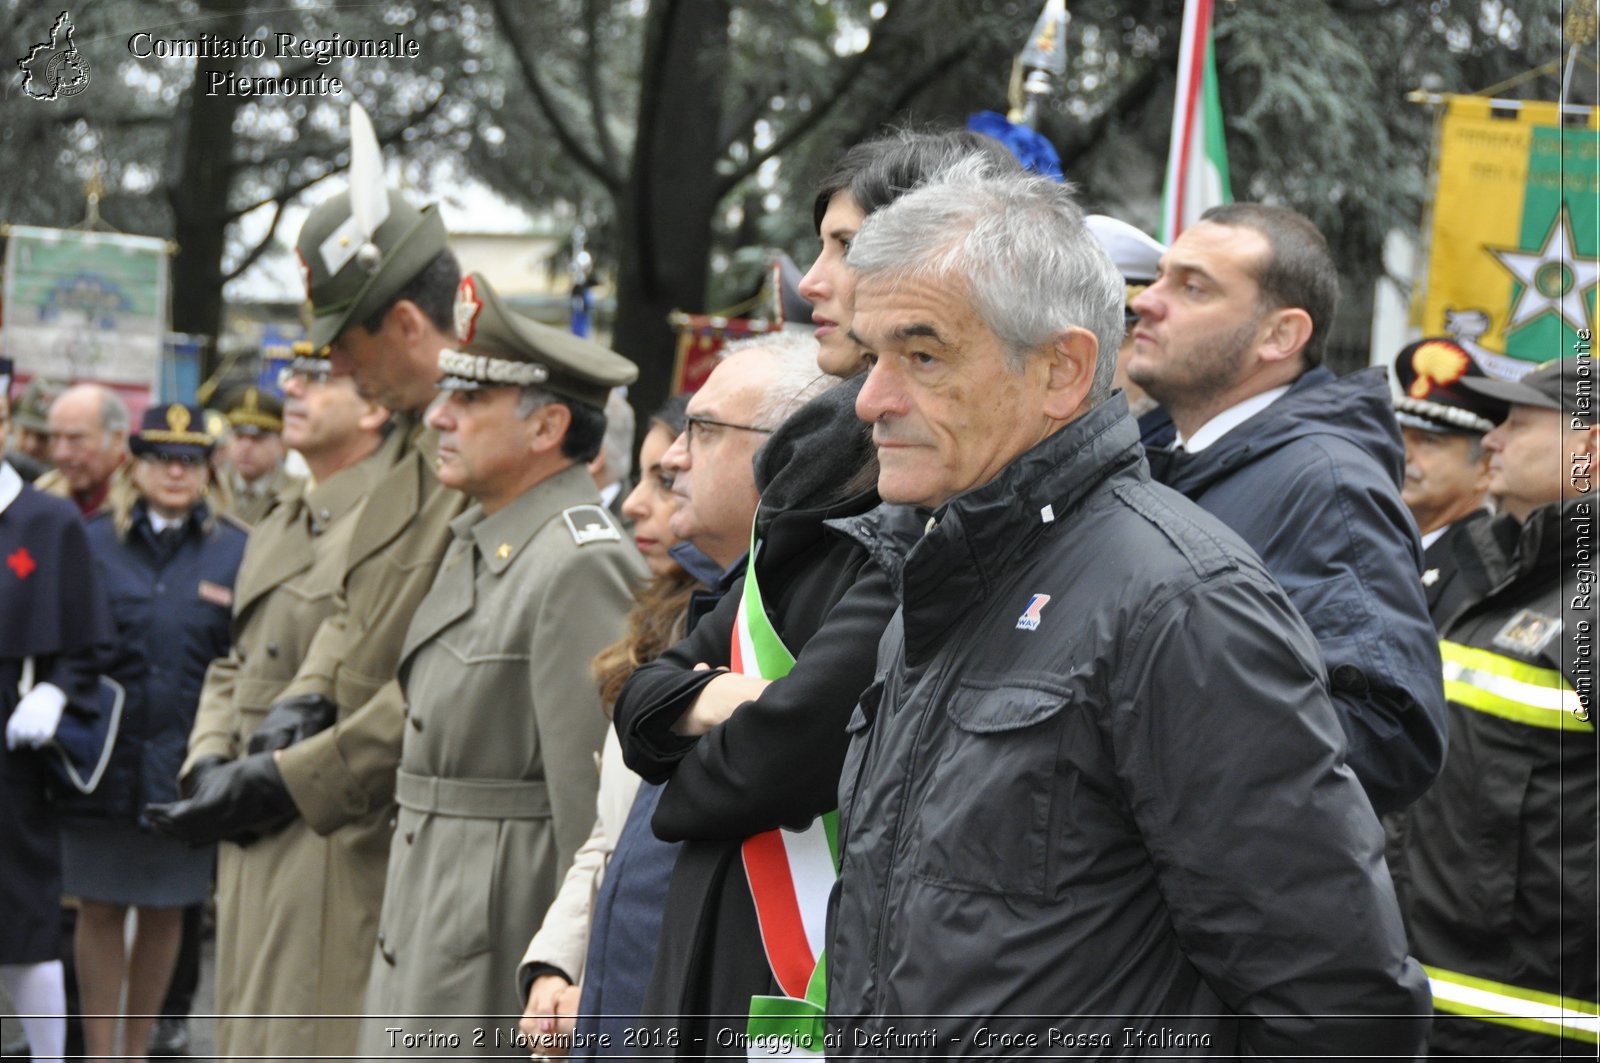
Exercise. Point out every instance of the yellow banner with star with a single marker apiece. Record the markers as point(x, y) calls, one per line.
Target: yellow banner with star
point(1512, 262)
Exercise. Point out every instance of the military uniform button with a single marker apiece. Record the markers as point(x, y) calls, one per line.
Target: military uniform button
point(272, 649)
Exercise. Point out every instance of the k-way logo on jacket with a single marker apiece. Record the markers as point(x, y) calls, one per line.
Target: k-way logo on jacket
point(1029, 620)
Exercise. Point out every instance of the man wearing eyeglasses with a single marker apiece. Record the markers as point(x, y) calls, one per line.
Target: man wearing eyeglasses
point(728, 420)
point(286, 587)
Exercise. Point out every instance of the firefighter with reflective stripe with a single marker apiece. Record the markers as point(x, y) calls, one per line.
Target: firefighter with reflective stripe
point(1497, 871)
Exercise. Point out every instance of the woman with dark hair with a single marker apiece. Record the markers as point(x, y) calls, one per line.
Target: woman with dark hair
point(554, 963)
point(868, 176)
point(741, 756)
point(168, 564)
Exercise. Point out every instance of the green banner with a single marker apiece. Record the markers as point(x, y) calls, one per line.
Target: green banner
point(85, 305)
point(1516, 232)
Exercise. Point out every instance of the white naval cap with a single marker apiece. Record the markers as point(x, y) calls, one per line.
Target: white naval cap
point(1135, 254)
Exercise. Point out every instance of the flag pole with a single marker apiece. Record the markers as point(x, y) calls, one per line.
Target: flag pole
point(1197, 157)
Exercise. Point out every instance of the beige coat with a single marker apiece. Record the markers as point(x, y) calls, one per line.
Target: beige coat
point(285, 931)
point(342, 780)
point(497, 782)
point(346, 773)
point(252, 508)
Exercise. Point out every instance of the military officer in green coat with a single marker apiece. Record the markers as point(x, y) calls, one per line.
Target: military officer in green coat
point(289, 942)
point(497, 776)
point(256, 478)
point(381, 285)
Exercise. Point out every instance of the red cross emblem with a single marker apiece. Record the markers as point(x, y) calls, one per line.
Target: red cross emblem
point(468, 306)
point(21, 562)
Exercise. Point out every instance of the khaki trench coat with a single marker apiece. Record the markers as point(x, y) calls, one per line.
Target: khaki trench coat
point(254, 508)
point(289, 939)
point(346, 773)
point(498, 777)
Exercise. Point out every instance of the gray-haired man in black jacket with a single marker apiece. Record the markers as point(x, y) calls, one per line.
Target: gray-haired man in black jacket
point(1098, 798)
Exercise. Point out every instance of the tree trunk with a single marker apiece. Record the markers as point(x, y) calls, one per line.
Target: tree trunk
point(670, 199)
point(199, 191)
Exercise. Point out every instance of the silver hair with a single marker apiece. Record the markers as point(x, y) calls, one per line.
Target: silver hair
point(619, 435)
point(531, 398)
point(114, 419)
point(1018, 244)
point(798, 379)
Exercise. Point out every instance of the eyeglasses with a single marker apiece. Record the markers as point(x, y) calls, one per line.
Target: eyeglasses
point(188, 461)
point(702, 423)
point(305, 376)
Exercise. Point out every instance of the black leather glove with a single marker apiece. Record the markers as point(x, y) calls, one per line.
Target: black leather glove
point(293, 720)
point(237, 801)
point(202, 767)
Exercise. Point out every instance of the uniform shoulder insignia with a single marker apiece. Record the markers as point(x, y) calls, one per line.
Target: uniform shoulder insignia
point(590, 524)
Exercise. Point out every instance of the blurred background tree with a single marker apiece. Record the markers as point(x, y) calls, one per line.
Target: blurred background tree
point(681, 133)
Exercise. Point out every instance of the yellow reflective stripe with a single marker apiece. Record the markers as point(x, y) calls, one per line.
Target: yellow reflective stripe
point(1510, 689)
point(1509, 1005)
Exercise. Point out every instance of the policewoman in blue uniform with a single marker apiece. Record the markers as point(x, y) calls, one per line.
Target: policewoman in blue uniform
point(168, 563)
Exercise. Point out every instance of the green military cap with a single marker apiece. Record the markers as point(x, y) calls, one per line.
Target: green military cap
point(351, 274)
point(1568, 381)
point(217, 426)
point(32, 408)
point(251, 411)
point(500, 348)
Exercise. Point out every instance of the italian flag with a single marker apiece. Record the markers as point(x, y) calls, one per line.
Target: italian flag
point(1197, 161)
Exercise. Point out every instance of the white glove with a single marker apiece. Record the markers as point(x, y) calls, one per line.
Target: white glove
point(36, 716)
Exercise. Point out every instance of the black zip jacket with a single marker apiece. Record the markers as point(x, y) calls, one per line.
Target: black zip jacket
point(1097, 802)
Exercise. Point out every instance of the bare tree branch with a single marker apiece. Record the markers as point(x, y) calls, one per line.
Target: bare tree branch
point(1130, 97)
point(298, 149)
point(284, 194)
point(910, 87)
point(820, 110)
point(585, 158)
point(591, 77)
point(256, 252)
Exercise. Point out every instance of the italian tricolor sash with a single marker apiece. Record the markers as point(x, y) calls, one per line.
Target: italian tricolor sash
point(791, 872)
